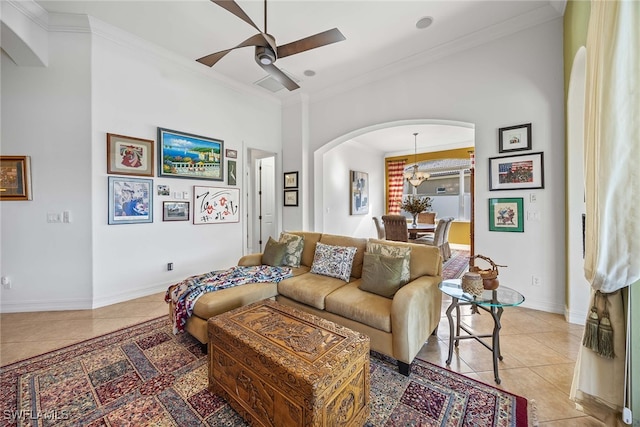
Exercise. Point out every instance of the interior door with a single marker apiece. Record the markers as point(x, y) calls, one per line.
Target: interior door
point(267, 197)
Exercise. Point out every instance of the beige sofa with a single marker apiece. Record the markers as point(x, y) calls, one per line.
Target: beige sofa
point(398, 326)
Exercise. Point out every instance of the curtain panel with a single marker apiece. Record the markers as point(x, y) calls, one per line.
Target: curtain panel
point(395, 170)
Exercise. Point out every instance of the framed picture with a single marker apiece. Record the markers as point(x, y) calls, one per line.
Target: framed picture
point(291, 180)
point(359, 193)
point(231, 172)
point(175, 211)
point(15, 178)
point(212, 205)
point(515, 138)
point(291, 197)
point(520, 171)
point(129, 156)
point(231, 154)
point(130, 200)
point(506, 214)
point(183, 155)
point(163, 190)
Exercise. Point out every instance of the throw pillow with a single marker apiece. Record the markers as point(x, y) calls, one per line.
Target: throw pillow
point(394, 251)
point(294, 244)
point(381, 274)
point(333, 261)
point(274, 253)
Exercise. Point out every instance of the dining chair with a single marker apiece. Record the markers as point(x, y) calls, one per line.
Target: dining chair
point(446, 249)
point(379, 228)
point(426, 218)
point(395, 228)
point(438, 236)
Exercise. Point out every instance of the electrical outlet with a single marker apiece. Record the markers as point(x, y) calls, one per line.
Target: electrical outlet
point(6, 282)
point(169, 266)
point(535, 281)
point(53, 217)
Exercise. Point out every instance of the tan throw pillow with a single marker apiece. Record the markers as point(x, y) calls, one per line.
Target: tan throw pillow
point(381, 274)
point(403, 252)
point(293, 254)
point(274, 253)
point(333, 261)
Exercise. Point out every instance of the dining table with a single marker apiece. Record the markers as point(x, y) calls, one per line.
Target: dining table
point(420, 228)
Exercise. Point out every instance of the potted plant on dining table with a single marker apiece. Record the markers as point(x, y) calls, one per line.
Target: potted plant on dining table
point(414, 205)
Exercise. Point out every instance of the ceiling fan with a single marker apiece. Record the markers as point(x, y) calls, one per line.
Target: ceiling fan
point(266, 50)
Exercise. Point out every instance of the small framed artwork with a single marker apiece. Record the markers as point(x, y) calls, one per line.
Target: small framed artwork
point(163, 190)
point(231, 154)
point(520, 171)
point(231, 172)
point(291, 197)
point(183, 155)
point(506, 214)
point(515, 138)
point(15, 178)
point(175, 211)
point(212, 205)
point(130, 200)
point(359, 193)
point(129, 156)
point(291, 180)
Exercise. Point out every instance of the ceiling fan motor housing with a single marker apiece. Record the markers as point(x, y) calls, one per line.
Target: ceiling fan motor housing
point(265, 55)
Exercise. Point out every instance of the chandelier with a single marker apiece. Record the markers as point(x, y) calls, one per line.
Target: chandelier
point(416, 177)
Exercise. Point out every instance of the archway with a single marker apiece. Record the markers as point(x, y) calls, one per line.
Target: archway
point(329, 177)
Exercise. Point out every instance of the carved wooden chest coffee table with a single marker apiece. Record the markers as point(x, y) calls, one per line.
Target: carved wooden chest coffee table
point(279, 366)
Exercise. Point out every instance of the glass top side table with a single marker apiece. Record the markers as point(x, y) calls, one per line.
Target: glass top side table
point(491, 301)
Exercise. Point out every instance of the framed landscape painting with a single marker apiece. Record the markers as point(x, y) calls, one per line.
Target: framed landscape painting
point(214, 205)
point(520, 171)
point(130, 200)
point(183, 155)
point(175, 211)
point(506, 214)
point(129, 156)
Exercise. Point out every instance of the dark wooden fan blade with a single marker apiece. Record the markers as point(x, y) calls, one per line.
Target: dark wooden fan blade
point(233, 7)
point(311, 42)
point(210, 60)
point(280, 76)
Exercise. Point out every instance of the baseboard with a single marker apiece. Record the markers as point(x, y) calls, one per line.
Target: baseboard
point(543, 306)
point(47, 305)
point(129, 295)
point(578, 318)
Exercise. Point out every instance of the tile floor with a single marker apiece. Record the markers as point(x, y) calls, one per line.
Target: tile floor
point(539, 348)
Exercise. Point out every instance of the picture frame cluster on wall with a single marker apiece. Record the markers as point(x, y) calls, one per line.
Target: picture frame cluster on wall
point(179, 155)
point(290, 189)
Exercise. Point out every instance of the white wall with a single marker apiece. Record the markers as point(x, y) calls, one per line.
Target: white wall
point(338, 163)
point(108, 82)
point(513, 80)
point(46, 114)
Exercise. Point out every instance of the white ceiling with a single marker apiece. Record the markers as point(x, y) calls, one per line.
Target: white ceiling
point(380, 36)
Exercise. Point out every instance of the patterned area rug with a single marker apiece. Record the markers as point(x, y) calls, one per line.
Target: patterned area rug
point(456, 266)
point(144, 375)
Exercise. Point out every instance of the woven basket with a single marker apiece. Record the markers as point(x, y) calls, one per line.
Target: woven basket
point(487, 274)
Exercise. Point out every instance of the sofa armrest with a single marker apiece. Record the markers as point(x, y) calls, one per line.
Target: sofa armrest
point(415, 313)
point(250, 259)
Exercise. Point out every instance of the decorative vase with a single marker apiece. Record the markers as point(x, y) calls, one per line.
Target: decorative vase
point(415, 222)
point(490, 284)
point(472, 283)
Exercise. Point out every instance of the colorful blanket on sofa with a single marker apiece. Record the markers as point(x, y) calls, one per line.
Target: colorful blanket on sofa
point(185, 294)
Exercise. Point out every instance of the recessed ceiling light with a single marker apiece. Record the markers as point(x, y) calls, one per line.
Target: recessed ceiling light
point(309, 73)
point(424, 22)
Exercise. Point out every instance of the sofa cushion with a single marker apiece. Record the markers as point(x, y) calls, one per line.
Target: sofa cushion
point(425, 260)
point(274, 252)
point(310, 240)
point(333, 261)
point(359, 243)
point(403, 252)
point(310, 289)
point(364, 307)
point(295, 244)
point(381, 274)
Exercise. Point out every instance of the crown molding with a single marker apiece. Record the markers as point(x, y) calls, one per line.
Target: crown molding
point(32, 10)
point(536, 17)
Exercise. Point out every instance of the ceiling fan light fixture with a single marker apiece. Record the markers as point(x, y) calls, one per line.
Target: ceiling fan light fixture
point(265, 55)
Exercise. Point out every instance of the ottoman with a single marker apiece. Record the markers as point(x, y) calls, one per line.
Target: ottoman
point(279, 366)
